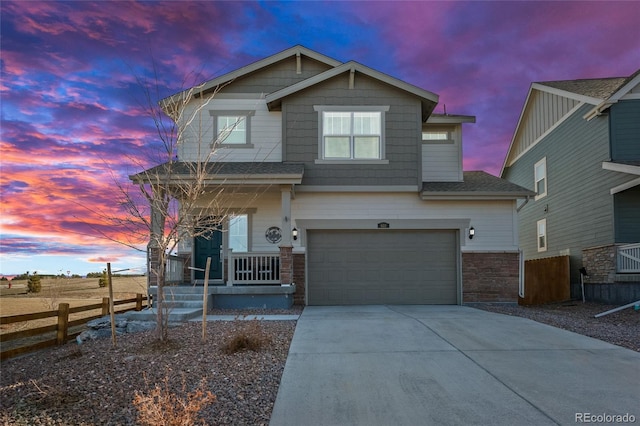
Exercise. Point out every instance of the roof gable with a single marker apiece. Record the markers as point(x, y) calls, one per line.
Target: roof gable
point(428, 99)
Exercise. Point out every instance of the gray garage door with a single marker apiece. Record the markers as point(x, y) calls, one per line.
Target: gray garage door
point(364, 267)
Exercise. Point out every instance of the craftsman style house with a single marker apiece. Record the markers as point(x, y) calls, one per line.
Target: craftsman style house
point(577, 145)
point(354, 191)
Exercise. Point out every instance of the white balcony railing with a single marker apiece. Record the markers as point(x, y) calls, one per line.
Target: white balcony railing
point(628, 260)
point(253, 268)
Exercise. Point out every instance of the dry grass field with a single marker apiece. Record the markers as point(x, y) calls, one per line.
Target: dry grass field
point(74, 291)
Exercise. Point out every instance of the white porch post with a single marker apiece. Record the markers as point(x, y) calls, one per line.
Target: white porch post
point(286, 247)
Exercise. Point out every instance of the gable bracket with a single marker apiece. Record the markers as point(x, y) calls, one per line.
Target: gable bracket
point(298, 63)
point(352, 78)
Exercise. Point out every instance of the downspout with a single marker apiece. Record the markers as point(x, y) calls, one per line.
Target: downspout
point(526, 200)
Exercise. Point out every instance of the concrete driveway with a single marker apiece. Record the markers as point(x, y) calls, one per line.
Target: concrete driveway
point(449, 365)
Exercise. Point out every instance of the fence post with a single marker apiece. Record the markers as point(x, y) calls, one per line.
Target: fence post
point(105, 306)
point(138, 302)
point(63, 323)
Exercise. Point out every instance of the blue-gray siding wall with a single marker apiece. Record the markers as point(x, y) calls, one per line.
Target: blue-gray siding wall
point(627, 215)
point(578, 202)
point(402, 133)
point(275, 77)
point(625, 130)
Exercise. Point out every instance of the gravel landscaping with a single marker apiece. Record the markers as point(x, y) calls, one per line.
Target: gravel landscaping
point(95, 383)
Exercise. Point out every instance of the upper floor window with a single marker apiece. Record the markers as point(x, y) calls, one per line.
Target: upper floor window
point(435, 136)
point(351, 133)
point(232, 128)
point(540, 178)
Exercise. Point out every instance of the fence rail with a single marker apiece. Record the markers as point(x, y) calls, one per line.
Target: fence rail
point(254, 268)
point(628, 259)
point(63, 324)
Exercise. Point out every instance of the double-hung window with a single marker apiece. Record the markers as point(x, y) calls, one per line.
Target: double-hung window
point(351, 134)
point(540, 178)
point(542, 235)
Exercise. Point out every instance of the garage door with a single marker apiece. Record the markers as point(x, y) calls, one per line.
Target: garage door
point(364, 267)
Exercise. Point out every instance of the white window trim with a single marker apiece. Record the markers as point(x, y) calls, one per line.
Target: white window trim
point(382, 109)
point(247, 114)
point(542, 222)
point(447, 140)
point(536, 180)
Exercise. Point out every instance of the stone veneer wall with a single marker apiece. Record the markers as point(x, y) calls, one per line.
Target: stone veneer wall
point(299, 278)
point(490, 277)
point(600, 263)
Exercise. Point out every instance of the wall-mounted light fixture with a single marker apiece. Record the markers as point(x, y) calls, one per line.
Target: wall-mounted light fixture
point(294, 233)
point(472, 232)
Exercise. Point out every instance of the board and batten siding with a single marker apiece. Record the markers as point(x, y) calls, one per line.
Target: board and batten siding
point(542, 113)
point(578, 206)
point(441, 161)
point(402, 132)
point(265, 129)
point(494, 221)
point(625, 130)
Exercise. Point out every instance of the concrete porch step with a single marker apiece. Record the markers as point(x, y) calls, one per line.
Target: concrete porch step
point(175, 314)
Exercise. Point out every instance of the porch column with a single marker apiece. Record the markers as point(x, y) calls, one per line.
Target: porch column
point(286, 248)
point(153, 251)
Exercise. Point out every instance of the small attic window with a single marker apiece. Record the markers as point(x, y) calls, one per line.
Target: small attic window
point(435, 136)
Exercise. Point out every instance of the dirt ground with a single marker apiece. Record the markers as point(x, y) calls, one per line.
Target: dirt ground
point(75, 291)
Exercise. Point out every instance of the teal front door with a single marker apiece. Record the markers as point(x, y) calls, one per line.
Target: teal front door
point(208, 245)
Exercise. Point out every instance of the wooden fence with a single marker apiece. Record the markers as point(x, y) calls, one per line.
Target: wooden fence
point(63, 324)
point(546, 280)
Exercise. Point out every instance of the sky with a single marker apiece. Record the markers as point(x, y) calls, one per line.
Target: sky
point(74, 75)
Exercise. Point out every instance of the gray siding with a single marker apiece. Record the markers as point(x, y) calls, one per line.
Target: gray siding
point(627, 215)
point(625, 130)
point(579, 205)
point(276, 76)
point(402, 133)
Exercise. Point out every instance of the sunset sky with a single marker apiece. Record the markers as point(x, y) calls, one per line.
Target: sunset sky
point(73, 114)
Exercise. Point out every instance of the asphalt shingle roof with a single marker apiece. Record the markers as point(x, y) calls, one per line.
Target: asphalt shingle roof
point(229, 168)
point(601, 88)
point(476, 182)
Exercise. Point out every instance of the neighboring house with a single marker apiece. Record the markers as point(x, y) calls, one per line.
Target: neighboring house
point(577, 145)
point(362, 198)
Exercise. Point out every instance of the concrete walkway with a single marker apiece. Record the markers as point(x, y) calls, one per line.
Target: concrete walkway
point(448, 365)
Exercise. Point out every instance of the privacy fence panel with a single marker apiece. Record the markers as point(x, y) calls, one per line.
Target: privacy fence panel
point(546, 280)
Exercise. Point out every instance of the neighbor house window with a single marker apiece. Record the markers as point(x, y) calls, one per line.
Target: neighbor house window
point(542, 235)
point(232, 128)
point(239, 233)
point(348, 133)
point(540, 177)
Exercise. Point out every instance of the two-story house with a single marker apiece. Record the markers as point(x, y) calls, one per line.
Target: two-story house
point(577, 145)
point(362, 197)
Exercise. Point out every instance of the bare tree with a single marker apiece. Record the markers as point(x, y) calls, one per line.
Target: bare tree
point(176, 200)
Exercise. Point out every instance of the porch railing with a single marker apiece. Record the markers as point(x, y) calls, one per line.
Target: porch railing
point(175, 269)
point(628, 260)
point(253, 268)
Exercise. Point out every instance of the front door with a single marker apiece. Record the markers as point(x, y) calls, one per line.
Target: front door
point(208, 245)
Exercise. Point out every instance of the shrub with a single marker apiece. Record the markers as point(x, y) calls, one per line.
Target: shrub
point(103, 281)
point(248, 337)
point(161, 407)
point(33, 283)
